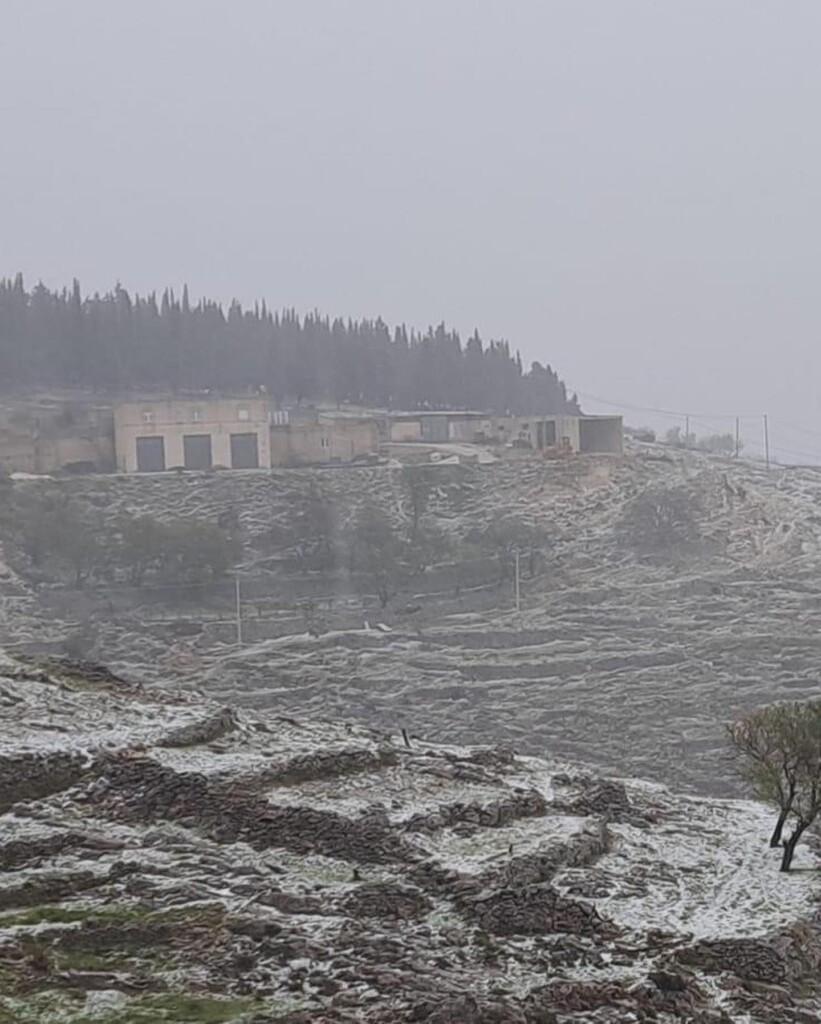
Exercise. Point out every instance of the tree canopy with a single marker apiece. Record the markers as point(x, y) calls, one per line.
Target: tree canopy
point(119, 341)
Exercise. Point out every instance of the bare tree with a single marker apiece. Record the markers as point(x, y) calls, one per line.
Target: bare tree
point(768, 759)
point(779, 748)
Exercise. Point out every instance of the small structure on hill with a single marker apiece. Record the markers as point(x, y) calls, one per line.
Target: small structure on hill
point(235, 433)
point(317, 437)
point(585, 435)
point(49, 434)
point(230, 433)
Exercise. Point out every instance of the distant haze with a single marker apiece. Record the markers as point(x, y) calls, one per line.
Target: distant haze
point(627, 189)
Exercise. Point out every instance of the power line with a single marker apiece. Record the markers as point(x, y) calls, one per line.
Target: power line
point(800, 430)
point(717, 421)
point(678, 414)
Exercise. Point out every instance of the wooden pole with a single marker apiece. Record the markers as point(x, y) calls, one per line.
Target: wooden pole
point(766, 441)
point(518, 591)
point(238, 595)
point(737, 437)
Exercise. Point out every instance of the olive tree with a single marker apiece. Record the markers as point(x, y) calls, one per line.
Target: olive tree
point(661, 521)
point(417, 487)
point(378, 552)
point(779, 755)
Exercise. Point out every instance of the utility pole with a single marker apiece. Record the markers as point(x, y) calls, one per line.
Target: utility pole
point(766, 441)
point(238, 608)
point(518, 590)
point(687, 431)
point(737, 437)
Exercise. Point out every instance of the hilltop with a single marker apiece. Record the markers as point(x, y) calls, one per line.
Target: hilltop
point(167, 858)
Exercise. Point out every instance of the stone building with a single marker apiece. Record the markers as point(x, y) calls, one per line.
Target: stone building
point(45, 434)
point(201, 434)
point(324, 437)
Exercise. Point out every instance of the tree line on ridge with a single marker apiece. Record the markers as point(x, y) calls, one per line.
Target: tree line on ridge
point(118, 341)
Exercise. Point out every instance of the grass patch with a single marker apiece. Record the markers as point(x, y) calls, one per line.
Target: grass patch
point(51, 914)
point(119, 913)
point(36, 1008)
point(117, 960)
point(177, 1009)
point(158, 1009)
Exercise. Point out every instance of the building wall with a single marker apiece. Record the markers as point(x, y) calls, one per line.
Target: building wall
point(602, 434)
point(48, 444)
point(567, 432)
point(55, 453)
point(574, 433)
point(323, 441)
point(468, 429)
point(173, 420)
point(406, 430)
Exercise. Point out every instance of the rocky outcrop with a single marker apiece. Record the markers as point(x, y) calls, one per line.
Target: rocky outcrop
point(750, 959)
point(496, 814)
point(326, 764)
point(276, 867)
point(680, 999)
point(604, 798)
point(532, 868)
point(143, 790)
point(533, 910)
point(386, 900)
point(20, 851)
point(205, 730)
point(32, 776)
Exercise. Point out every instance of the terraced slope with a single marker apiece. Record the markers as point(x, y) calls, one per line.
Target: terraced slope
point(167, 859)
point(622, 661)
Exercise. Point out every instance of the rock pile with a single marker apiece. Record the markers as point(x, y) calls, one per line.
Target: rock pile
point(144, 790)
point(534, 910)
point(32, 776)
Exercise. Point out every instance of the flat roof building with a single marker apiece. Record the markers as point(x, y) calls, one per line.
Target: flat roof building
point(585, 435)
point(211, 433)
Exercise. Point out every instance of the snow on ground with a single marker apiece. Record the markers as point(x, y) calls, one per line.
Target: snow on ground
point(48, 716)
point(708, 872)
point(487, 848)
point(704, 871)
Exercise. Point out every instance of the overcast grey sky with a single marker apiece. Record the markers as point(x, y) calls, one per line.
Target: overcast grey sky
point(627, 189)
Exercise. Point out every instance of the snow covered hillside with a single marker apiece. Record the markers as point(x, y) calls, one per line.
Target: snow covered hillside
point(165, 858)
point(619, 660)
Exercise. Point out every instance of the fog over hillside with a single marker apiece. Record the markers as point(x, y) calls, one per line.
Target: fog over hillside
point(410, 512)
point(625, 190)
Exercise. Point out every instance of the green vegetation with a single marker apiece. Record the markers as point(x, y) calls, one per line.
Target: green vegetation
point(111, 914)
point(718, 444)
point(33, 990)
point(661, 522)
point(174, 1008)
point(179, 549)
point(179, 1009)
point(62, 538)
point(50, 914)
point(316, 530)
point(378, 553)
point(418, 486)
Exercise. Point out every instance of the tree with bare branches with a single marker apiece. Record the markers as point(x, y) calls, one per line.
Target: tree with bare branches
point(779, 752)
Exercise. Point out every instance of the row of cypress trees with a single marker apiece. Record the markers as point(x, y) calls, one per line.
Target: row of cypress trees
point(118, 341)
